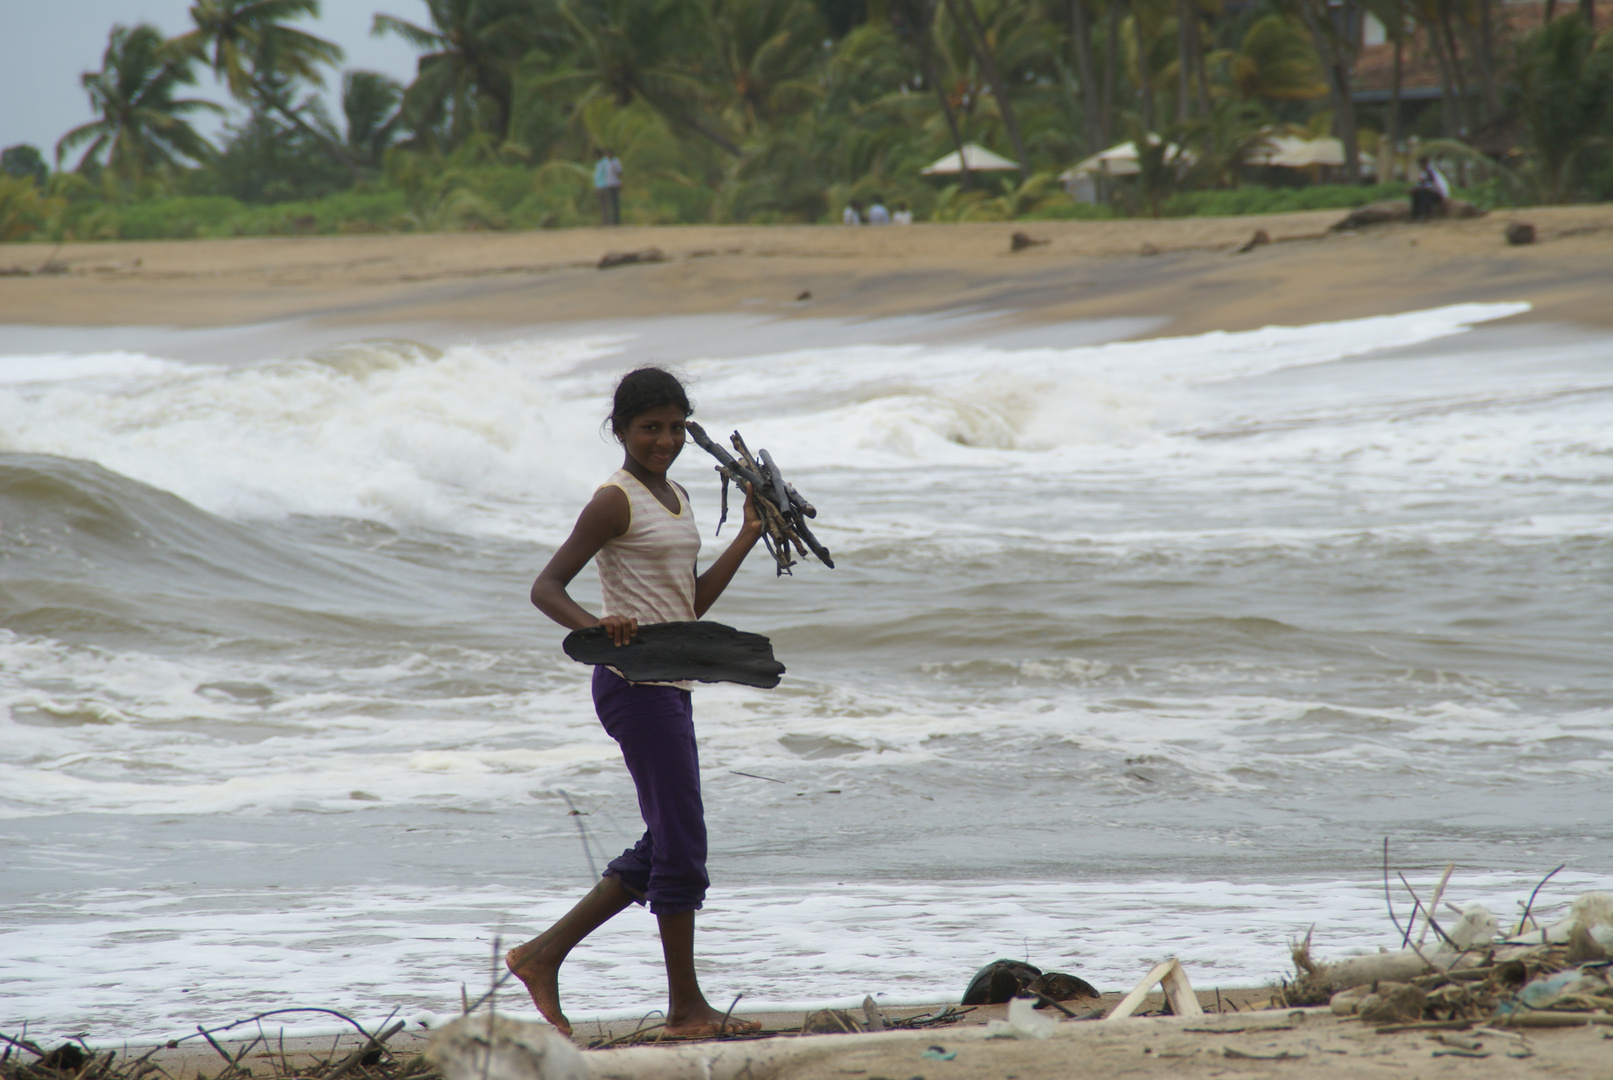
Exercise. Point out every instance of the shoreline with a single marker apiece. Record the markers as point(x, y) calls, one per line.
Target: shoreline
point(1183, 275)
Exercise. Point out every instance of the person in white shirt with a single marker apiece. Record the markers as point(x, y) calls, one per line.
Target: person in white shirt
point(903, 215)
point(850, 215)
point(877, 214)
point(1430, 192)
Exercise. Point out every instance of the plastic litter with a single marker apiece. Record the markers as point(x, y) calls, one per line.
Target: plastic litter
point(1023, 1022)
point(1581, 981)
point(1476, 927)
point(1592, 912)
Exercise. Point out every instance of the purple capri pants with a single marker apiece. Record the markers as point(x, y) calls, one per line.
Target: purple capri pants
point(654, 725)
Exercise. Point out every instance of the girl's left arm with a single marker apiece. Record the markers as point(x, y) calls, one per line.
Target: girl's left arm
point(710, 585)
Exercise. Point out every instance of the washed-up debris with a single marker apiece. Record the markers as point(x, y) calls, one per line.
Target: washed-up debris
point(1285, 1055)
point(1051, 987)
point(1169, 976)
point(1519, 233)
point(627, 258)
point(831, 1022)
point(1004, 980)
point(1260, 238)
point(1023, 1022)
point(1559, 975)
point(23, 1059)
point(999, 981)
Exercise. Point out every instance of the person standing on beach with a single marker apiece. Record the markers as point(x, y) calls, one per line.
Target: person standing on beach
point(851, 215)
point(878, 214)
point(602, 185)
point(613, 185)
point(641, 531)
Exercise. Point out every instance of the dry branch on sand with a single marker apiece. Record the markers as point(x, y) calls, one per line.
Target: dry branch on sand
point(22, 1059)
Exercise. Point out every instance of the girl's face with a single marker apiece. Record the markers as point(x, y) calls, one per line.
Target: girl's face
point(654, 438)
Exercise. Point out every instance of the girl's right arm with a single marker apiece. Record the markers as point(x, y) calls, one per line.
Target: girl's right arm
point(605, 518)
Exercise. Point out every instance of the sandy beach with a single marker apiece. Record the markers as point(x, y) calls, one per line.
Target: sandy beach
point(1185, 275)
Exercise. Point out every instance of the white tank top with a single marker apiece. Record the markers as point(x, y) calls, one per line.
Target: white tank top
point(647, 573)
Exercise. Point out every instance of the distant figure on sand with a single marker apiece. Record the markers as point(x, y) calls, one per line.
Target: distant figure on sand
point(903, 215)
point(851, 215)
point(608, 187)
point(1430, 192)
point(640, 530)
point(613, 181)
point(877, 214)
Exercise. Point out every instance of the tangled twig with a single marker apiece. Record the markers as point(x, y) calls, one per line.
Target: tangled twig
point(783, 511)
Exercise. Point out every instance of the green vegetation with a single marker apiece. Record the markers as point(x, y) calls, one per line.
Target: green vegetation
point(788, 110)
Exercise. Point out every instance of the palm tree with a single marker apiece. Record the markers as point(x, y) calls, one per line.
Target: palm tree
point(370, 104)
point(915, 21)
point(259, 58)
point(1565, 90)
point(643, 50)
point(1276, 61)
point(140, 124)
point(766, 51)
point(966, 20)
point(466, 72)
point(1333, 33)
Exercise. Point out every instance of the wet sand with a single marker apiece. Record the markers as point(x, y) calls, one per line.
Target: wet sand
point(1186, 275)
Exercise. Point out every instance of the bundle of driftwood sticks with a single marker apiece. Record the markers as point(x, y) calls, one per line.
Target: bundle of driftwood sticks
point(784, 512)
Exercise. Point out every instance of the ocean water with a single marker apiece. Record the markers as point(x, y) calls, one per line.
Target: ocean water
point(1134, 649)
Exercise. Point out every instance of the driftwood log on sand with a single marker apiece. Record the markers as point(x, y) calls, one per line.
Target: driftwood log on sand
point(487, 1047)
point(1392, 210)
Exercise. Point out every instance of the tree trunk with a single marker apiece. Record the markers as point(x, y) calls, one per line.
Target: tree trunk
point(1081, 40)
point(1336, 53)
point(927, 61)
point(1463, 119)
point(1111, 64)
point(1551, 9)
point(1184, 63)
point(1200, 67)
point(1447, 81)
point(337, 153)
point(1393, 125)
point(1486, 51)
point(1145, 76)
point(970, 25)
point(1487, 103)
point(1587, 11)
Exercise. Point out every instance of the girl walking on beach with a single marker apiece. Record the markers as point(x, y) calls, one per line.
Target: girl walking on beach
point(641, 531)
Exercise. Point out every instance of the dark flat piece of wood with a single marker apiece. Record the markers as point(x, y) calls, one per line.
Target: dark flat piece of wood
point(676, 651)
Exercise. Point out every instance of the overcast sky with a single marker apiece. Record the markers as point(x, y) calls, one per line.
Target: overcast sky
point(46, 44)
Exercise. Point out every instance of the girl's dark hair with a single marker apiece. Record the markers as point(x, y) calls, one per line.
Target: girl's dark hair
point(643, 389)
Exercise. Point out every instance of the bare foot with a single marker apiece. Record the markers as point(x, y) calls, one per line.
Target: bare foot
point(541, 975)
point(705, 1022)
